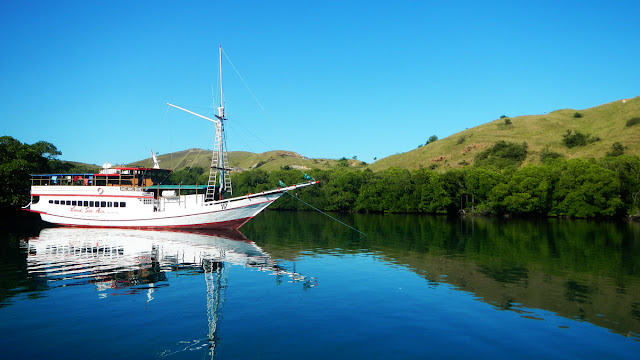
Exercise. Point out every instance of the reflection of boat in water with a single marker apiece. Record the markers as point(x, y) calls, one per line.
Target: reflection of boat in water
point(103, 255)
point(125, 261)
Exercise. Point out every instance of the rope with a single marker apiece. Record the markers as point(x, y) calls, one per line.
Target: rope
point(324, 213)
point(273, 123)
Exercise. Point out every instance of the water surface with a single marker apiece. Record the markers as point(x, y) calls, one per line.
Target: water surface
point(295, 285)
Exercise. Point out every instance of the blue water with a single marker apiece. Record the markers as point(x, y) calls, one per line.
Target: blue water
point(308, 299)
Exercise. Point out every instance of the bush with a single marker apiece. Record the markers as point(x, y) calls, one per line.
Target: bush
point(507, 121)
point(575, 138)
point(547, 154)
point(633, 121)
point(577, 115)
point(502, 154)
point(616, 149)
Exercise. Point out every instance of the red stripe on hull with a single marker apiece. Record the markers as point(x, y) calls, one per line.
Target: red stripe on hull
point(223, 225)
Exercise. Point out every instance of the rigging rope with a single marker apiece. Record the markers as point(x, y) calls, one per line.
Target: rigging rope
point(274, 124)
point(324, 213)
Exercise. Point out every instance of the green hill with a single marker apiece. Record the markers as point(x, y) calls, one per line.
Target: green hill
point(243, 160)
point(605, 124)
point(602, 126)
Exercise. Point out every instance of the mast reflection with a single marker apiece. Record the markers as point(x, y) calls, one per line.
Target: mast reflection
point(126, 262)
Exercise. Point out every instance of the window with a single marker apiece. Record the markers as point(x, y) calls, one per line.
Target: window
point(109, 204)
point(115, 204)
point(123, 204)
point(74, 203)
point(68, 202)
point(90, 203)
point(103, 204)
point(50, 201)
point(57, 202)
point(86, 203)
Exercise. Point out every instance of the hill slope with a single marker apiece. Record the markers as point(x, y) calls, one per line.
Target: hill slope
point(242, 160)
point(606, 122)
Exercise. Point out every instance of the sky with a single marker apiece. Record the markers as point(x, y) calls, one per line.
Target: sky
point(326, 79)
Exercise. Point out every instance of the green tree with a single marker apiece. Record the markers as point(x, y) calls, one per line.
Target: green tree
point(17, 162)
point(479, 182)
point(627, 169)
point(586, 190)
point(529, 191)
point(434, 197)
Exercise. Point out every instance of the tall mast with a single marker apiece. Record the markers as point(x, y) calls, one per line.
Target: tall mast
point(221, 107)
point(218, 175)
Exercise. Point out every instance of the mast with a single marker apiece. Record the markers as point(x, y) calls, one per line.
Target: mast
point(218, 172)
point(219, 160)
point(221, 107)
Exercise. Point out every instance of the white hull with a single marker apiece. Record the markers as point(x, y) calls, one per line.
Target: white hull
point(120, 207)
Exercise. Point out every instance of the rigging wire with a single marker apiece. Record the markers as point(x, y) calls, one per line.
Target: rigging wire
point(275, 125)
point(324, 213)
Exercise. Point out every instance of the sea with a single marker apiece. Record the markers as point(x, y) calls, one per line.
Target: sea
point(304, 285)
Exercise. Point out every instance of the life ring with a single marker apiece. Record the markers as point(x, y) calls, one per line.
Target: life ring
point(100, 191)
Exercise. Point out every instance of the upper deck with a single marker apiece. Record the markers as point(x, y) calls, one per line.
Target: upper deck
point(119, 176)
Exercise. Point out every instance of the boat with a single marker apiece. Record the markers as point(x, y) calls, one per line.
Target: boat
point(137, 197)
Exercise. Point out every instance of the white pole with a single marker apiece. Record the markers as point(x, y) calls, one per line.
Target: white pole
point(221, 108)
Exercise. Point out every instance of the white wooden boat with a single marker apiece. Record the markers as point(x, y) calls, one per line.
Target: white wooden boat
point(131, 197)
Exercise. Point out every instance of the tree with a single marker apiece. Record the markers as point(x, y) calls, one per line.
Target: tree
point(585, 190)
point(529, 191)
point(18, 161)
point(433, 195)
point(479, 182)
point(431, 139)
point(627, 168)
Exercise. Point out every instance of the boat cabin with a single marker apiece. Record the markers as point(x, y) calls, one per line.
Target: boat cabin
point(118, 176)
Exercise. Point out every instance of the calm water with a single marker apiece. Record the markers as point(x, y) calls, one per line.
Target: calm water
point(298, 285)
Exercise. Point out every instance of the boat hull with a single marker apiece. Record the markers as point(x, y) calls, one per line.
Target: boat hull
point(113, 207)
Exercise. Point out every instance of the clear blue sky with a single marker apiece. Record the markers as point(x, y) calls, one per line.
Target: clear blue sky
point(335, 78)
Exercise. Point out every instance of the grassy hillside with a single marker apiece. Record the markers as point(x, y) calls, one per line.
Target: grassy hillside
point(242, 160)
point(606, 122)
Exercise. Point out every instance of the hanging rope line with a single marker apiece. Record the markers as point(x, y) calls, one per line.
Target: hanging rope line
point(274, 124)
point(324, 213)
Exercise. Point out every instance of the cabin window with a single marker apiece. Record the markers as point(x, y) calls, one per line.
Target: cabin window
point(50, 201)
point(90, 203)
point(74, 203)
point(86, 203)
point(57, 202)
point(103, 204)
point(115, 204)
point(68, 202)
point(109, 204)
point(123, 204)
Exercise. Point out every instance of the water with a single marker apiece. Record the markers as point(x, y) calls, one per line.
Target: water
point(298, 285)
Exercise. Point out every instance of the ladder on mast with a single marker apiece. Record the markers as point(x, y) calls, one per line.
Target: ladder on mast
point(219, 158)
point(218, 172)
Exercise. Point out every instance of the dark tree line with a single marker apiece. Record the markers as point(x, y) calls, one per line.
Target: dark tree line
point(580, 188)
